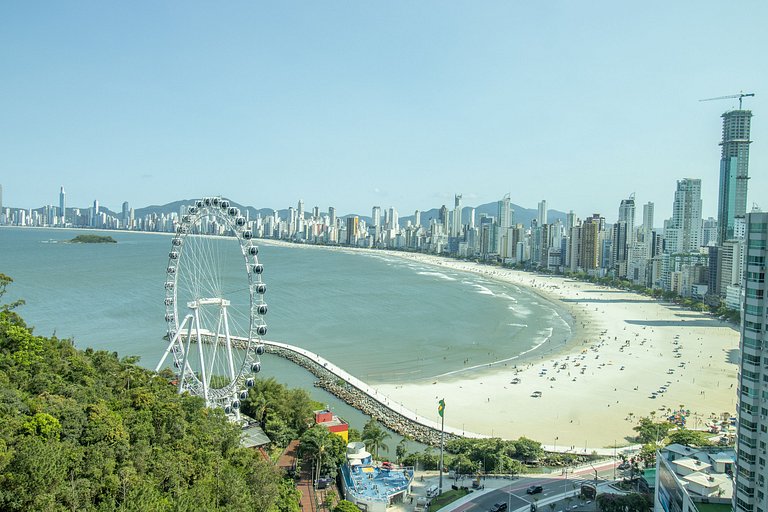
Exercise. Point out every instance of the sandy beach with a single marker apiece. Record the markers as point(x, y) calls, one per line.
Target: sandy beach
point(624, 348)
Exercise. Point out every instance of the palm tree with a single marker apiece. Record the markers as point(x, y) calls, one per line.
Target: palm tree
point(316, 442)
point(374, 437)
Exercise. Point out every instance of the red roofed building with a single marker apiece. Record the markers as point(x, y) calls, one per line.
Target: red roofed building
point(333, 423)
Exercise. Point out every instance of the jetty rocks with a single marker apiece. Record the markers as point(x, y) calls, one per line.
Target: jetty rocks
point(363, 401)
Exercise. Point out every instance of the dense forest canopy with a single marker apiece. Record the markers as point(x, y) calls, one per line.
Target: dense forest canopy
point(85, 430)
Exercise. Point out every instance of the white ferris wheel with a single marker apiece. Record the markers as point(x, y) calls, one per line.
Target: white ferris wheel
point(214, 304)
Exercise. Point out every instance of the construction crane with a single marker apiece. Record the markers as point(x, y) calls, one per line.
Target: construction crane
point(732, 96)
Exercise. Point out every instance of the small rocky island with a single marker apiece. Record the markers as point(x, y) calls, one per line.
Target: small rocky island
point(93, 239)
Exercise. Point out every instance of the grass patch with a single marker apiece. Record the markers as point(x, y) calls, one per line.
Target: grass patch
point(446, 498)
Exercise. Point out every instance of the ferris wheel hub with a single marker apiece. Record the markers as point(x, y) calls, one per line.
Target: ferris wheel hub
point(207, 302)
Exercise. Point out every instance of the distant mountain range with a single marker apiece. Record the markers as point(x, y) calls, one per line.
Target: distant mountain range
point(523, 215)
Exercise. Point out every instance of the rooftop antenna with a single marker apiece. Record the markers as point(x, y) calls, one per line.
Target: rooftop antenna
point(732, 96)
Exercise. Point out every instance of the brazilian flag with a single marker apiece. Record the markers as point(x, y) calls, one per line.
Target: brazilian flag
point(441, 407)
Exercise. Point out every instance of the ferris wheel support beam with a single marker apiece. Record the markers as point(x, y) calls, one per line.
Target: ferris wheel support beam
point(203, 374)
point(172, 342)
point(184, 364)
point(229, 343)
point(216, 346)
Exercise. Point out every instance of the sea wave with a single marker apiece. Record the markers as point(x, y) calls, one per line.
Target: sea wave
point(436, 274)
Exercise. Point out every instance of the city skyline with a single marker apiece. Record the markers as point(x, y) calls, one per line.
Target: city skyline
point(402, 106)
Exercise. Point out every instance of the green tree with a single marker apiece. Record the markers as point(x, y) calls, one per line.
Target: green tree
point(528, 449)
point(324, 448)
point(374, 437)
point(346, 506)
point(649, 431)
point(5, 281)
point(401, 450)
point(689, 437)
point(43, 425)
point(354, 435)
point(648, 454)
point(86, 430)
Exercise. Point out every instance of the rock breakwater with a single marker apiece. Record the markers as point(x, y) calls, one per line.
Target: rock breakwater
point(361, 400)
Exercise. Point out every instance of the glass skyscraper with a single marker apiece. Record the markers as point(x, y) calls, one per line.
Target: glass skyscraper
point(734, 172)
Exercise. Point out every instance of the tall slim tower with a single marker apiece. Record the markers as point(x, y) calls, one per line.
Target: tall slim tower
point(542, 218)
point(62, 206)
point(1, 204)
point(126, 217)
point(376, 220)
point(627, 214)
point(504, 212)
point(734, 172)
point(95, 214)
point(751, 489)
point(457, 215)
point(648, 217)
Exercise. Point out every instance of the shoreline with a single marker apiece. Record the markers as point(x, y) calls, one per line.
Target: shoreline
point(623, 347)
point(596, 385)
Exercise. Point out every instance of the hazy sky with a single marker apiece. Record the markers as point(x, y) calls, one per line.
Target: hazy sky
point(391, 103)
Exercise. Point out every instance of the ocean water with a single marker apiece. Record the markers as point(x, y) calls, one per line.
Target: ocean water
point(382, 318)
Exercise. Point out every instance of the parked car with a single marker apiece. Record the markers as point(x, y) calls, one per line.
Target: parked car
point(498, 507)
point(534, 489)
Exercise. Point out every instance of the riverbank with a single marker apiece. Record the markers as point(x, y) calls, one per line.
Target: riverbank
point(629, 356)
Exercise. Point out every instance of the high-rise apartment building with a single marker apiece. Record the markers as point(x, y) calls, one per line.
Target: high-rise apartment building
point(734, 172)
point(394, 222)
point(648, 217)
point(570, 221)
point(751, 489)
point(619, 248)
point(126, 216)
point(542, 218)
point(352, 227)
point(627, 215)
point(95, 214)
point(683, 232)
point(457, 208)
point(505, 212)
point(376, 220)
point(589, 246)
point(62, 207)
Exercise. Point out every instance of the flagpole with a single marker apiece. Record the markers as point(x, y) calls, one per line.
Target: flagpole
point(442, 432)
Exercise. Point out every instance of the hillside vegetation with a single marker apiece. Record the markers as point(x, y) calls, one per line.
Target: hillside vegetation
point(84, 430)
point(93, 239)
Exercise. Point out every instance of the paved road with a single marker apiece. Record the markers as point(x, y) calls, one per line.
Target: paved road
point(514, 493)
